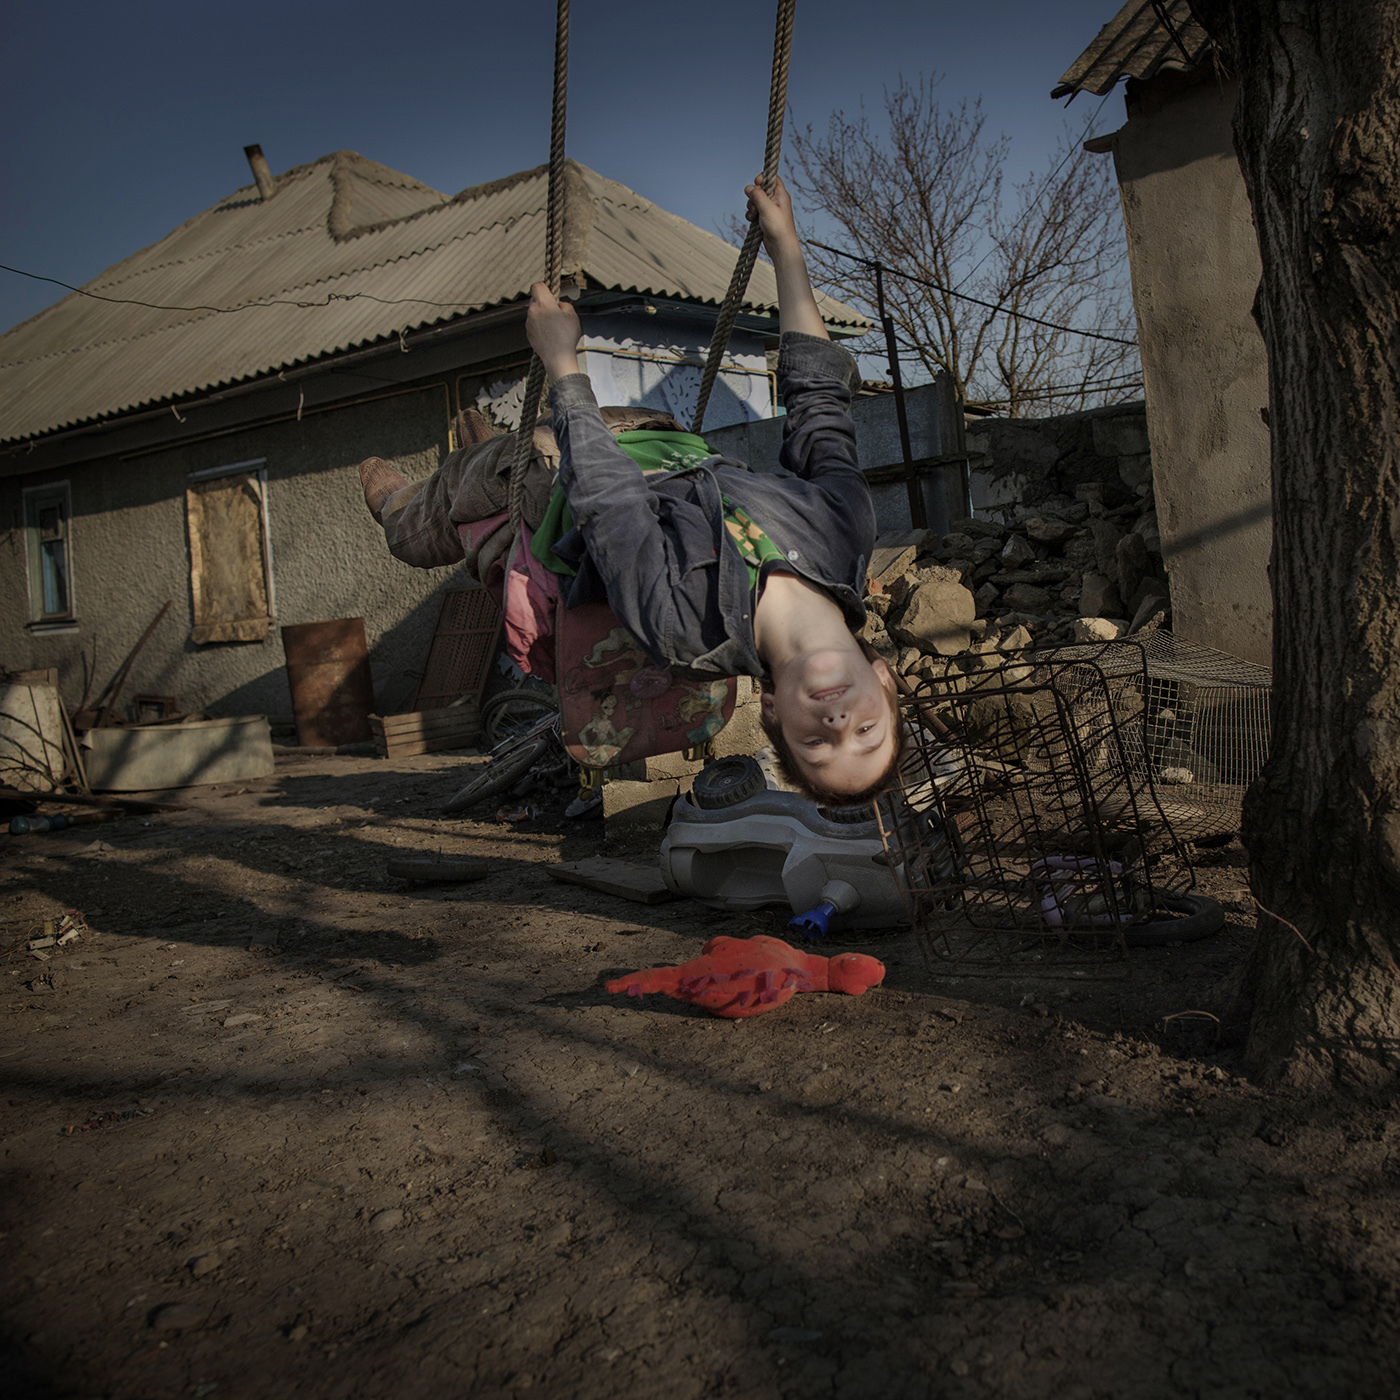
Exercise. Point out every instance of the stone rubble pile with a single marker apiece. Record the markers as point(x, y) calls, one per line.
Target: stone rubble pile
point(1064, 570)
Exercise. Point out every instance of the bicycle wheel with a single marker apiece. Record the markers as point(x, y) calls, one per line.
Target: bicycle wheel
point(498, 775)
point(510, 711)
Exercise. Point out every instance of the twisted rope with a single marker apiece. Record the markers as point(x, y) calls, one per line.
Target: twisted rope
point(748, 254)
point(533, 401)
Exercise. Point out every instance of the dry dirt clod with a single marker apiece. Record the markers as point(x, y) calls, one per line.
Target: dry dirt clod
point(177, 1317)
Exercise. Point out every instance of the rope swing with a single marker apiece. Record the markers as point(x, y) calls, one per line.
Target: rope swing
point(743, 269)
point(533, 401)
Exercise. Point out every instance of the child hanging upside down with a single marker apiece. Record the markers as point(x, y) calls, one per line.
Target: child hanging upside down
point(708, 565)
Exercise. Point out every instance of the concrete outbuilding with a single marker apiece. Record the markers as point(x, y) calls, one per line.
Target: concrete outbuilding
point(1195, 268)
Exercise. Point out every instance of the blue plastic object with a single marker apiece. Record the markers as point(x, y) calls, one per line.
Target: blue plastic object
point(813, 924)
point(24, 826)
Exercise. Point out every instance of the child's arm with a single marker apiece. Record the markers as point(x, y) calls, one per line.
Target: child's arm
point(816, 381)
point(553, 331)
point(797, 307)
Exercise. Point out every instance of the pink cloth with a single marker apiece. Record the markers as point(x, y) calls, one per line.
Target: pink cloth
point(528, 595)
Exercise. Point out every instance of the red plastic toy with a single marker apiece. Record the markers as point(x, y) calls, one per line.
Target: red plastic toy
point(736, 977)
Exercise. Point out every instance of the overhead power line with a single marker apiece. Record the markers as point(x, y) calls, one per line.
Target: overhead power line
point(247, 306)
point(999, 309)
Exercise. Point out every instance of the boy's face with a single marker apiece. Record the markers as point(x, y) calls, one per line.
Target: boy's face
point(835, 713)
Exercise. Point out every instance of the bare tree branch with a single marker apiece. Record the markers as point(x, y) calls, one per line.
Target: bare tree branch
point(924, 194)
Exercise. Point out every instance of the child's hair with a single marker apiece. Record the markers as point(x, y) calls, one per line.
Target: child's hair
point(829, 797)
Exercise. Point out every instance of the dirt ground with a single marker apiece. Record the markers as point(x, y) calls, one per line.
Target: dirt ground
point(371, 1140)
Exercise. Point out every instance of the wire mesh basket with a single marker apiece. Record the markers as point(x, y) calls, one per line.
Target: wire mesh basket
point(1027, 819)
point(1206, 731)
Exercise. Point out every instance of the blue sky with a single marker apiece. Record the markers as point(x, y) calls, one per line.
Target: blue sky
point(123, 121)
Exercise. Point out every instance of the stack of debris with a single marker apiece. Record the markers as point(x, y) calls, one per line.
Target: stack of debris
point(1067, 569)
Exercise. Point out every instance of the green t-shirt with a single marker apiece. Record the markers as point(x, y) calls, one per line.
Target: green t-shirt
point(653, 450)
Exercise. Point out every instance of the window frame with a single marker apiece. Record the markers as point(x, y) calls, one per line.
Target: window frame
point(256, 468)
point(34, 499)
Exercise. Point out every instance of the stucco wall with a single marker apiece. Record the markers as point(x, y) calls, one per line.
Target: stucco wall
point(1195, 269)
point(130, 553)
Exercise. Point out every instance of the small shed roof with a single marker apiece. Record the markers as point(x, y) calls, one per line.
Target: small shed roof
point(345, 253)
point(1141, 40)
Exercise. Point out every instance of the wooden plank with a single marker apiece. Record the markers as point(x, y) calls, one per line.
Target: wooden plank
point(636, 882)
point(409, 748)
point(454, 726)
point(428, 721)
point(445, 731)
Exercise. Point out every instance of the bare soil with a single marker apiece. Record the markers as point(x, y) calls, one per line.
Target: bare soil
point(278, 1125)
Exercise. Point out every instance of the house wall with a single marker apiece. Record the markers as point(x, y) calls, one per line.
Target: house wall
point(1195, 268)
point(130, 553)
point(130, 547)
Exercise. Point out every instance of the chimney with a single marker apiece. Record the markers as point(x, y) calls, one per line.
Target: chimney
point(257, 162)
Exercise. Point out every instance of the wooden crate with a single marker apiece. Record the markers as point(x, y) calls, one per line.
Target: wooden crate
point(426, 731)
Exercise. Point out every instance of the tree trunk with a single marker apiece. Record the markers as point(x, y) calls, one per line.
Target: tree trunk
point(1317, 130)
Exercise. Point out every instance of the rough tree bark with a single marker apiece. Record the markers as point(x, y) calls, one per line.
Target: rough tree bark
point(1317, 130)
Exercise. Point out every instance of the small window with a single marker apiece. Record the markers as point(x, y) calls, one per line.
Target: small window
point(230, 554)
point(46, 517)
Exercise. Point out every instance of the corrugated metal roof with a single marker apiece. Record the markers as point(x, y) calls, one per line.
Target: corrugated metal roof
point(346, 253)
point(1137, 43)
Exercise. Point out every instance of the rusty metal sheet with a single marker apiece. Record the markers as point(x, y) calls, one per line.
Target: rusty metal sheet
point(329, 676)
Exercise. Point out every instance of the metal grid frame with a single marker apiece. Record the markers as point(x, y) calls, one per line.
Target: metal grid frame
point(1026, 822)
point(462, 651)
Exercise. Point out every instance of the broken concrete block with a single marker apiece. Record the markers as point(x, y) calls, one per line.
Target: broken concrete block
point(1106, 534)
point(894, 553)
point(937, 615)
point(1151, 534)
point(985, 599)
point(744, 733)
point(1026, 597)
point(1133, 563)
point(1048, 530)
point(979, 529)
point(1017, 552)
point(1099, 629)
point(1017, 639)
point(1151, 602)
point(1135, 471)
point(638, 806)
point(1099, 597)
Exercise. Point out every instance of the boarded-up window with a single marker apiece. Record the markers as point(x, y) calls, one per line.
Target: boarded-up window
point(230, 561)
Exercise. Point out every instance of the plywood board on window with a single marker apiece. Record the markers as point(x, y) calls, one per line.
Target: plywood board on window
point(228, 560)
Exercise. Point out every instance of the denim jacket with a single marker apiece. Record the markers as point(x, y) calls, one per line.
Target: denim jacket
point(657, 547)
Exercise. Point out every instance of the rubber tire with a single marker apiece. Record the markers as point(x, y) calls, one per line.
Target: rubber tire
point(496, 712)
point(849, 816)
point(726, 783)
point(497, 777)
point(1201, 917)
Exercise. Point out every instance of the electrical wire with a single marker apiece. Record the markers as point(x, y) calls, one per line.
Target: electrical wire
point(976, 301)
point(1049, 179)
point(247, 306)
